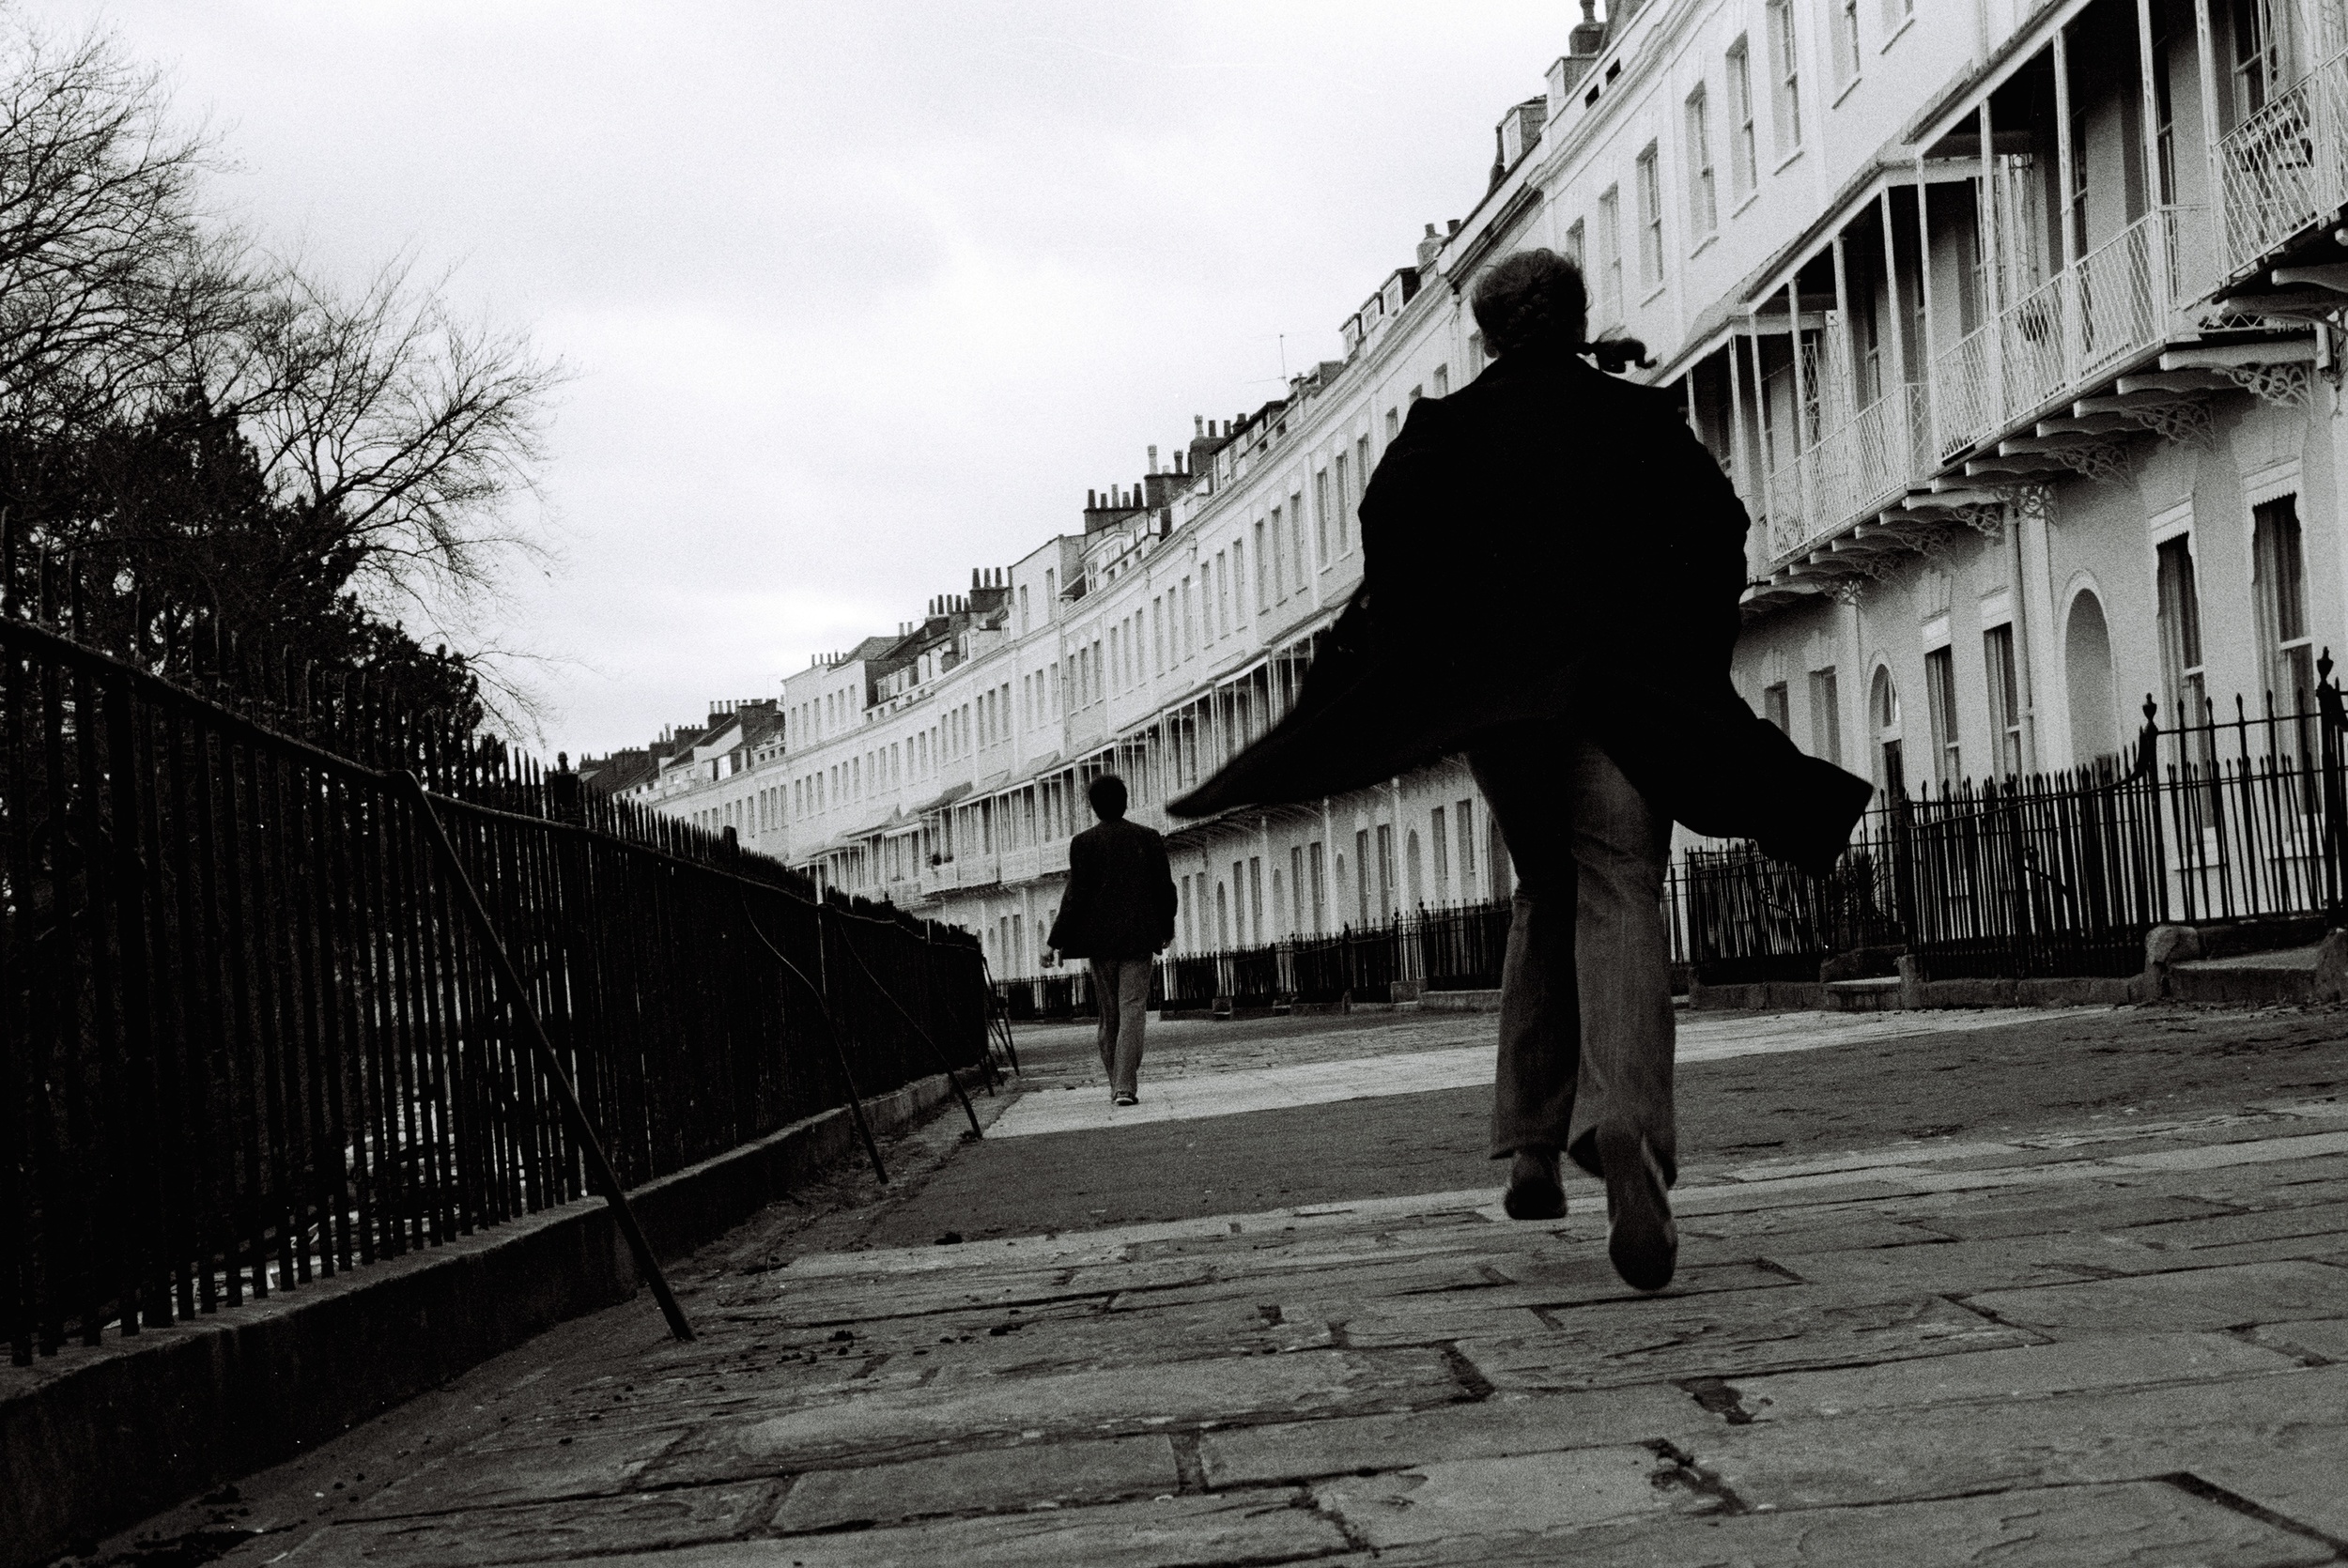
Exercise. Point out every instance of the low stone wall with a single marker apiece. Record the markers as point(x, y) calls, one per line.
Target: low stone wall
point(98, 1438)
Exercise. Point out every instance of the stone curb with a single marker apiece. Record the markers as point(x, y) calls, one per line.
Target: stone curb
point(97, 1439)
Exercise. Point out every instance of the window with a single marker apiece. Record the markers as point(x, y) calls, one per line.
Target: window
point(1475, 349)
point(1462, 823)
point(1320, 885)
point(1704, 209)
point(1320, 507)
point(2006, 701)
point(1883, 713)
point(1361, 484)
point(1577, 248)
point(1650, 220)
point(2257, 56)
point(1361, 874)
point(2180, 614)
point(1387, 890)
point(1278, 559)
point(1255, 898)
point(1394, 425)
point(1846, 17)
point(1610, 255)
point(1263, 588)
point(1190, 623)
point(1743, 156)
point(1439, 840)
point(1443, 380)
point(1785, 79)
point(1941, 700)
point(1297, 889)
point(1344, 503)
point(1023, 607)
point(1296, 543)
point(1777, 709)
point(2281, 580)
point(1239, 902)
point(1222, 593)
point(1239, 594)
point(1826, 717)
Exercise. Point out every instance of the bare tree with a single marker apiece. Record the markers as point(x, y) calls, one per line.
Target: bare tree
point(105, 266)
point(413, 428)
point(401, 431)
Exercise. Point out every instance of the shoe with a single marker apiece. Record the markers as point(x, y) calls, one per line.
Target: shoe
point(1128, 1100)
point(1640, 1237)
point(1533, 1190)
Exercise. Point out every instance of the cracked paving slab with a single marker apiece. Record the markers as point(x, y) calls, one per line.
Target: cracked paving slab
point(2119, 1339)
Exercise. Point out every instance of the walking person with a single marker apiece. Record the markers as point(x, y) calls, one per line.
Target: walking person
point(1553, 565)
point(1118, 913)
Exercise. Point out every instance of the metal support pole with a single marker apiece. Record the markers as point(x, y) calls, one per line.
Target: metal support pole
point(1929, 347)
point(517, 997)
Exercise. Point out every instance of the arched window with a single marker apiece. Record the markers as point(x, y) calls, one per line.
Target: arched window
point(2087, 677)
point(1884, 714)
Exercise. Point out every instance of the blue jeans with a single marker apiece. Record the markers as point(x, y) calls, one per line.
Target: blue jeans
point(1586, 1006)
point(1121, 987)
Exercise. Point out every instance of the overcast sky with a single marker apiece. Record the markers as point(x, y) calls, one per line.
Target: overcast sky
point(857, 295)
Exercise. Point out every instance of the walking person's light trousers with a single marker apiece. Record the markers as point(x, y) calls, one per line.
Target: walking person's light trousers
point(1586, 1006)
point(1121, 987)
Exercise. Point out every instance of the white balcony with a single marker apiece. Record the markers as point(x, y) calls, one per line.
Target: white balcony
point(2059, 341)
point(1864, 464)
point(2286, 167)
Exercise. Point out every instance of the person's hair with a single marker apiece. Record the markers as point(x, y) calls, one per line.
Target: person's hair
point(1536, 301)
point(1107, 795)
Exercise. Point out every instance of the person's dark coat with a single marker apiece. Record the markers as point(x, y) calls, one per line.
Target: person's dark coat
point(1550, 542)
point(1120, 903)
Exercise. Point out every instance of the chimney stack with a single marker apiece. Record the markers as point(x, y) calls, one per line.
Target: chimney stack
point(1154, 459)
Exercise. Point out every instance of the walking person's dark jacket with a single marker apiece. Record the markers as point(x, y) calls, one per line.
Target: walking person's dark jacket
point(1550, 542)
point(1120, 903)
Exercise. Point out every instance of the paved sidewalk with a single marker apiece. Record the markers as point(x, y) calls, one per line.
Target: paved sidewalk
point(2111, 1341)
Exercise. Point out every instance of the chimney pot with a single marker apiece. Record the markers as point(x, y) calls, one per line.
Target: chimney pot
point(1154, 459)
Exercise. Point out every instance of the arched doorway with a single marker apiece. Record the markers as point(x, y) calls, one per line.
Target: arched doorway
point(1884, 714)
point(2087, 675)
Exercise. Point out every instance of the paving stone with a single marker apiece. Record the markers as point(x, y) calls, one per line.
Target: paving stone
point(990, 1479)
point(1783, 1234)
point(511, 1468)
point(1889, 1455)
point(2143, 1524)
point(2302, 1483)
point(2232, 1230)
point(1790, 1193)
point(2099, 1361)
point(2094, 1210)
point(1965, 1267)
point(1738, 1337)
point(2189, 1298)
point(1238, 1388)
point(2207, 1157)
point(541, 1532)
point(1532, 1491)
point(1496, 1428)
point(1248, 1527)
point(2324, 1337)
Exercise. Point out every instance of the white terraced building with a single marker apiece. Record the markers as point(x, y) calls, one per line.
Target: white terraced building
point(2017, 327)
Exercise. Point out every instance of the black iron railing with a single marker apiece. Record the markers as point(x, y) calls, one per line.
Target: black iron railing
point(247, 1039)
point(2209, 823)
